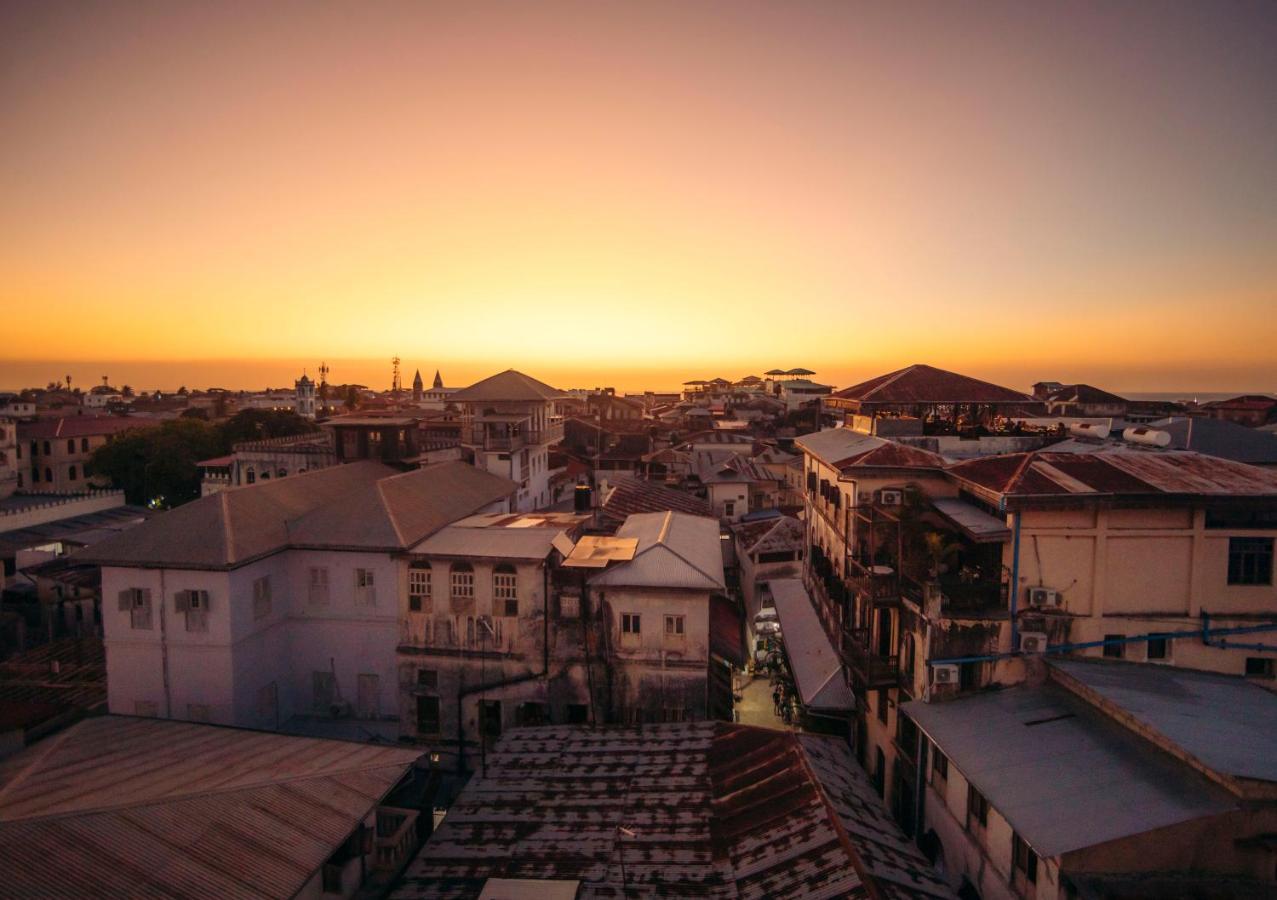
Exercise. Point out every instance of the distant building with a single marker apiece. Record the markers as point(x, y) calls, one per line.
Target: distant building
point(509, 422)
point(56, 453)
point(182, 810)
point(1251, 410)
point(304, 397)
point(1084, 400)
point(9, 457)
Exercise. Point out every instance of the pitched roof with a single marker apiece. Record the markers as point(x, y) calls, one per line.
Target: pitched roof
point(921, 384)
point(117, 806)
point(1084, 393)
point(843, 448)
point(816, 665)
point(507, 385)
point(675, 550)
point(716, 811)
point(774, 533)
point(1079, 475)
point(635, 495)
point(79, 426)
point(361, 505)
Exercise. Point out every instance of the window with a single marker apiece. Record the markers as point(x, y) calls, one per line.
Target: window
point(317, 587)
point(1024, 862)
point(505, 594)
point(674, 626)
point(570, 606)
point(578, 713)
point(631, 624)
point(1114, 650)
point(1250, 560)
point(673, 714)
point(137, 603)
point(195, 605)
point(880, 771)
point(531, 714)
point(729, 508)
point(250, 476)
point(490, 718)
point(48, 450)
point(84, 445)
point(939, 765)
point(70, 445)
point(1260, 667)
point(427, 679)
point(461, 581)
point(419, 588)
point(71, 475)
point(365, 588)
point(883, 705)
point(261, 597)
point(427, 715)
point(35, 476)
point(977, 808)
point(1157, 649)
point(48, 474)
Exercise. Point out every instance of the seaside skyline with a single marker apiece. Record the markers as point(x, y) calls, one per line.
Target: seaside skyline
point(643, 194)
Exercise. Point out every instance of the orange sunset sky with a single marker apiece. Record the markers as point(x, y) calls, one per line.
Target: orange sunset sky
point(639, 194)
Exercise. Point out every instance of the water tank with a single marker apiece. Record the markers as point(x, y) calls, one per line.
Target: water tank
point(581, 498)
point(1138, 434)
point(1099, 430)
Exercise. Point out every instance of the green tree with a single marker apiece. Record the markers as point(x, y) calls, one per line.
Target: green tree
point(156, 465)
point(352, 397)
point(258, 424)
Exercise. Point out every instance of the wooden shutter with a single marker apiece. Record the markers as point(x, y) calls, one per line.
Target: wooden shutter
point(182, 601)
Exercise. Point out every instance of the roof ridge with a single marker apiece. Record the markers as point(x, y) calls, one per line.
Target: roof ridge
point(227, 531)
point(390, 513)
point(891, 379)
point(50, 745)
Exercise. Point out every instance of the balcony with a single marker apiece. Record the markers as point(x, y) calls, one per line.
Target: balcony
point(870, 669)
point(955, 597)
point(876, 583)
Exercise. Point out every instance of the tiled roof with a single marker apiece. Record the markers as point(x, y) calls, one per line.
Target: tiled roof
point(507, 385)
point(1084, 393)
point(716, 811)
point(361, 505)
point(118, 806)
point(1079, 475)
point(634, 495)
point(842, 448)
point(79, 426)
point(775, 533)
point(921, 384)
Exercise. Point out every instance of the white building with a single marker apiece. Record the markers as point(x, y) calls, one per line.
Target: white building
point(510, 420)
point(304, 397)
point(276, 602)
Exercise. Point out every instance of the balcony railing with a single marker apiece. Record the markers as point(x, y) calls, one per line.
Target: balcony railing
point(878, 584)
point(871, 669)
point(953, 597)
point(485, 437)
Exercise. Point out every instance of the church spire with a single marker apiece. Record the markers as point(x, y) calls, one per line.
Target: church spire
point(438, 381)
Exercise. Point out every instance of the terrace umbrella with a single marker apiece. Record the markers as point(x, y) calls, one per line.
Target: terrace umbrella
point(775, 372)
point(800, 372)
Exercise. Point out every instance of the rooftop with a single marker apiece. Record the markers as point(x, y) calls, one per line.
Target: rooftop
point(119, 806)
point(361, 505)
point(843, 448)
point(927, 385)
point(507, 385)
point(635, 495)
point(506, 535)
point(715, 810)
point(1062, 774)
point(674, 550)
point(815, 663)
point(1219, 437)
point(78, 426)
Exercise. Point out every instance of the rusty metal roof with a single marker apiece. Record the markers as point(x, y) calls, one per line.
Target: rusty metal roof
point(635, 495)
point(118, 806)
point(710, 809)
point(1080, 475)
point(921, 384)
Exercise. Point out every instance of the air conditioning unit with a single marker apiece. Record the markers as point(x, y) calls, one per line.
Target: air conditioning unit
point(1032, 642)
point(1040, 596)
point(891, 498)
point(945, 674)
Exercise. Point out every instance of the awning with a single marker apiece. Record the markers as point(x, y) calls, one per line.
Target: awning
point(974, 522)
point(812, 658)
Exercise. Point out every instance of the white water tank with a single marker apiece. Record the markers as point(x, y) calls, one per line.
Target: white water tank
point(1098, 430)
point(1152, 437)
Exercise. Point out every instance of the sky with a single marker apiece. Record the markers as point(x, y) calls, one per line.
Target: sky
point(639, 194)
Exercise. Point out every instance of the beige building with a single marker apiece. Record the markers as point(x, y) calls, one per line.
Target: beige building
point(55, 455)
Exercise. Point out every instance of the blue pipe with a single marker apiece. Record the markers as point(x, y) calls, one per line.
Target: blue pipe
point(1203, 633)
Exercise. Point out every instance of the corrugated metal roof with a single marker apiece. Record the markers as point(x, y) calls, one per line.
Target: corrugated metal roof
point(815, 663)
point(509, 536)
point(79, 426)
point(629, 496)
point(975, 522)
point(842, 449)
point(1226, 722)
point(715, 810)
point(675, 550)
point(1219, 437)
point(776, 533)
point(365, 505)
point(116, 806)
point(1061, 773)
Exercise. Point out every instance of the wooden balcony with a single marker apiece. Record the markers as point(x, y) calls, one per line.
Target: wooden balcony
point(870, 669)
point(879, 584)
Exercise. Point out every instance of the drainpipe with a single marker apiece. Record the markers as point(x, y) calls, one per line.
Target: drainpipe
point(1014, 592)
point(168, 692)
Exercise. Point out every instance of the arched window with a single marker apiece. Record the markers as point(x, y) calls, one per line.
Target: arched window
point(505, 591)
point(48, 449)
point(282, 473)
point(71, 473)
point(48, 474)
point(70, 445)
point(84, 445)
point(35, 476)
point(461, 581)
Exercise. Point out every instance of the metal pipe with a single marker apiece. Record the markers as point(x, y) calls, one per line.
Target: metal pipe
point(1015, 582)
point(1204, 634)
